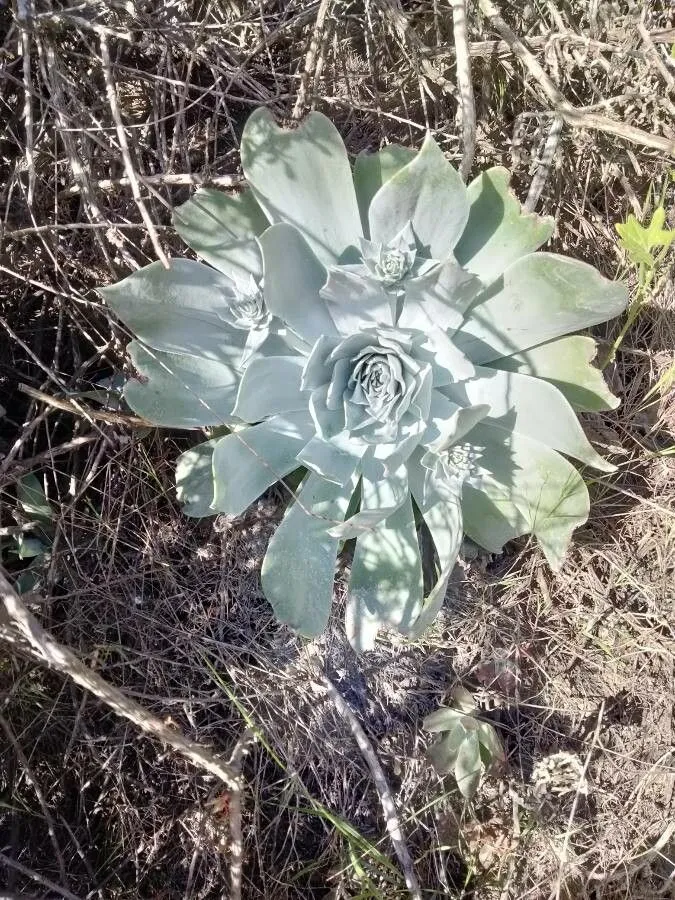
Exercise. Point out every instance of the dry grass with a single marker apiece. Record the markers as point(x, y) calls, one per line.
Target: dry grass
point(171, 611)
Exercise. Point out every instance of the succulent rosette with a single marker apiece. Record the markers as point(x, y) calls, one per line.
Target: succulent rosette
point(391, 333)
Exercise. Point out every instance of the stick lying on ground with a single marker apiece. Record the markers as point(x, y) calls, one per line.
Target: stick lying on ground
point(14, 613)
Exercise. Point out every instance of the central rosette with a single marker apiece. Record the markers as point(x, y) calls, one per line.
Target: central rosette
point(370, 392)
point(377, 381)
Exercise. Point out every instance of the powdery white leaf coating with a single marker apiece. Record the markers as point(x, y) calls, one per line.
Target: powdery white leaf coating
point(392, 332)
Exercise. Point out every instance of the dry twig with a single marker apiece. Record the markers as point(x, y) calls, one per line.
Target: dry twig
point(579, 118)
point(124, 147)
point(64, 661)
point(391, 819)
point(465, 85)
point(311, 60)
point(33, 782)
point(544, 165)
point(179, 179)
point(37, 877)
point(77, 409)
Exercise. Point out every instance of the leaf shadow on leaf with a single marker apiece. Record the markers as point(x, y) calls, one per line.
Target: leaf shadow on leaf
point(264, 152)
point(488, 206)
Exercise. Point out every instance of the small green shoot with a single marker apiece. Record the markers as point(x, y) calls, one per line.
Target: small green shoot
point(646, 248)
point(469, 746)
point(32, 539)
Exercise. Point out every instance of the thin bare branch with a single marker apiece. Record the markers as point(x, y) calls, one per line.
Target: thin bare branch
point(573, 116)
point(58, 657)
point(126, 154)
point(391, 818)
point(311, 60)
point(544, 164)
point(463, 62)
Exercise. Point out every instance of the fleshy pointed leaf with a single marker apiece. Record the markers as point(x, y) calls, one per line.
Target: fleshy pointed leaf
point(372, 170)
point(247, 462)
point(178, 391)
point(566, 363)
point(531, 407)
point(497, 232)
point(393, 492)
point(443, 753)
point(540, 297)
point(194, 480)
point(271, 385)
point(442, 719)
point(491, 519)
point(524, 478)
point(299, 567)
point(176, 309)
point(440, 505)
point(30, 495)
point(488, 737)
point(331, 460)
point(439, 298)
point(449, 422)
point(355, 300)
point(386, 573)
point(298, 174)
point(430, 195)
point(468, 766)
point(464, 700)
point(222, 229)
point(293, 280)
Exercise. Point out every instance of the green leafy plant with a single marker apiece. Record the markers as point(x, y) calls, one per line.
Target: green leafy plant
point(390, 333)
point(646, 247)
point(468, 746)
point(32, 537)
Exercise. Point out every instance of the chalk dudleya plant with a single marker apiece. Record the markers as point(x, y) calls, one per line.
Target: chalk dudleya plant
point(392, 334)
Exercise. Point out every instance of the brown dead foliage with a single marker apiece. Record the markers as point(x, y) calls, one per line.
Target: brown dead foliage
point(171, 611)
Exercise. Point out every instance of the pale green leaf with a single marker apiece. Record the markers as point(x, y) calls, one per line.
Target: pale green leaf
point(530, 485)
point(540, 297)
point(638, 241)
point(179, 391)
point(531, 407)
point(271, 385)
point(392, 493)
point(176, 309)
point(355, 300)
point(293, 279)
point(464, 700)
point(30, 496)
point(566, 363)
point(488, 737)
point(497, 232)
point(28, 580)
point(428, 193)
point(468, 766)
point(442, 719)
point(386, 577)
point(443, 753)
point(491, 520)
point(441, 509)
point(222, 229)
point(194, 480)
point(302, 176)
point(299, 567)
point(334, 460)
point(247, 462)
point(439, 298)
point(372, 170)
point(449, 422)
point(29, 547)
